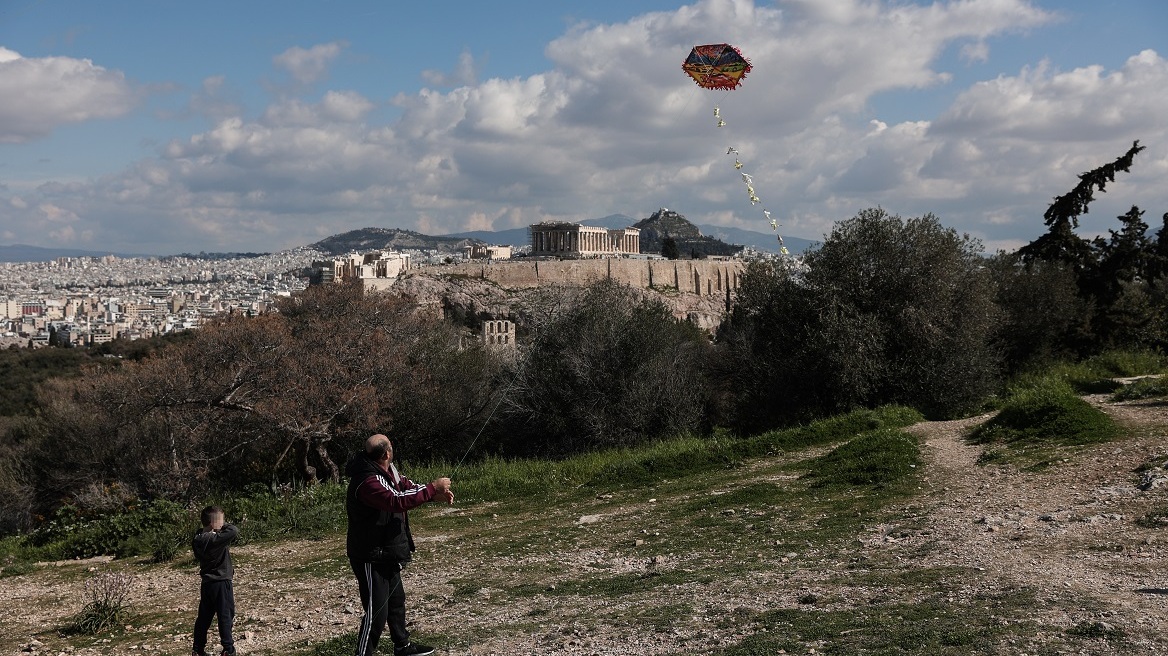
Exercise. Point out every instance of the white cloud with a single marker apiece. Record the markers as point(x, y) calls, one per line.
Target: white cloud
point(1065, 106)
point(615, 126)
point(308, 65)
point(466, 73)
point(41, 94)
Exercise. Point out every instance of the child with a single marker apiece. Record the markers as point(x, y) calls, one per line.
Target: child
point(216, 596)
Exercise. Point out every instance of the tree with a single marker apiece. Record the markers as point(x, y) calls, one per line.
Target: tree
point(886, 310)
point(1043, 316)
point(280, 395)
point(669, 249)
point(1060, 243)
point(602, 366)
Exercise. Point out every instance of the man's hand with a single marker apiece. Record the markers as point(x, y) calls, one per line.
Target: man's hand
point(442, 489)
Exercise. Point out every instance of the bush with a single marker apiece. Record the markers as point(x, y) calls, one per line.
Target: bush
point(139, 531)
point(1043, 317)
point(1046, 411)
point(880, 458)
point(105, 606)
point(886, 311)
point(601, 367)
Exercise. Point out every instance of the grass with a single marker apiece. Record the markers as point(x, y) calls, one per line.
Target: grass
point(1142, 389)
point(1095, 375)
point(1039, 420)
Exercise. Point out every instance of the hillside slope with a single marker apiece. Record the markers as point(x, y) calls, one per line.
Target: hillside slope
point(749, 559)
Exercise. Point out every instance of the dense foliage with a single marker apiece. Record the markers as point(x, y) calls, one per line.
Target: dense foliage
point(888, 310)
point(603, 366)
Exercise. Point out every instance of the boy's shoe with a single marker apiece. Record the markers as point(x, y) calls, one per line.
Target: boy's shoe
point(413, 649)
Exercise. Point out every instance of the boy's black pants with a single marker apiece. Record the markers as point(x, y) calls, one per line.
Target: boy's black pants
point(384, 601)
point(216, 598)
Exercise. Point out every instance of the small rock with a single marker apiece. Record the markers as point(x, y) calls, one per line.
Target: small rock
point(639, 543)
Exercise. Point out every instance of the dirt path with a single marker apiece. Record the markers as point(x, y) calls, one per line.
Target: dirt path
point(1068, 530)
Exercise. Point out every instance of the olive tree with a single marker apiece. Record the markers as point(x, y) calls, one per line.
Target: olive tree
point(602, 366)
point(886, 310)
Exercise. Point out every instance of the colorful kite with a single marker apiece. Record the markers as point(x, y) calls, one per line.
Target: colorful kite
point(716, 66)
point(721, 66)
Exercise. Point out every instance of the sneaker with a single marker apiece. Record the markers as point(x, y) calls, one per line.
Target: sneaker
point(413, 649)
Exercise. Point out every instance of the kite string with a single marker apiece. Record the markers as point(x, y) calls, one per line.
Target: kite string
point(746, 177)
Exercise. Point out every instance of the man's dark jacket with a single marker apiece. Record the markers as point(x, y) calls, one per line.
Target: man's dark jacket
point(376, 504)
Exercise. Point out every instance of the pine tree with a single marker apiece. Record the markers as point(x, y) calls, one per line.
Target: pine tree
point(1060, 243)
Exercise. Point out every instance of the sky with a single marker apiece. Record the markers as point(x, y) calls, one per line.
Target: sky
point(165, 127)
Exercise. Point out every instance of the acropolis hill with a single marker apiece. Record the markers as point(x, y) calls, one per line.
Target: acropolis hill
point(696, 290)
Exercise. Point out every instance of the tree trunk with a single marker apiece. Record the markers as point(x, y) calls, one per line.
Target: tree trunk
point(306, 470)
point(326, 461)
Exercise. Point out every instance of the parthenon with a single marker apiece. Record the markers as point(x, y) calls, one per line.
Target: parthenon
point(575, 240)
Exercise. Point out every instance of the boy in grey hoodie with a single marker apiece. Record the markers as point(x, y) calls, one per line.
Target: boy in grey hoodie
point(216, 595)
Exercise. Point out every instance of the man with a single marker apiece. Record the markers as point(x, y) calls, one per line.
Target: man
point(379, 543)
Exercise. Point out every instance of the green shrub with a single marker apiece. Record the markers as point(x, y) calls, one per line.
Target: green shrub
point(879, 458)
point(1047, 411)
point(16, 568)
point(72, 535)
point(1122, 364)
point(309, 510)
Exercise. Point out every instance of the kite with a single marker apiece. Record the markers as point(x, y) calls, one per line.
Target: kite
point(721, 66)
point(716, 66)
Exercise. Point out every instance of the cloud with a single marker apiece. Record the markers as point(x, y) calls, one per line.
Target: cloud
point(308, 65)
point(41, 94)
point(466, 73)
point(613, 126)
point(1040, 103)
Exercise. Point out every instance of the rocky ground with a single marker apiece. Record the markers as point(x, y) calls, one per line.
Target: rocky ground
point(1067, 532)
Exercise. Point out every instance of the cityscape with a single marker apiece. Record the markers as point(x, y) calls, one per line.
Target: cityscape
point(84, 301)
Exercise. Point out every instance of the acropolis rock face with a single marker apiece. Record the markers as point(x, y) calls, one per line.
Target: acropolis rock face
point(696, 290)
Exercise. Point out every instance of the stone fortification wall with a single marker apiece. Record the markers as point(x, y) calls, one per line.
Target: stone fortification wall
point(700, 277)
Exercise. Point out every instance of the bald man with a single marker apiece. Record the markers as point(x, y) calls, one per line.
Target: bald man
point(379, 543)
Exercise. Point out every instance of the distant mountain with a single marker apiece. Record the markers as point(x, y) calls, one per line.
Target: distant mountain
point(25, 253)
point(372, 239)
point(762, 241)
point(667, 224)
point(612, 221)
point(512, 237)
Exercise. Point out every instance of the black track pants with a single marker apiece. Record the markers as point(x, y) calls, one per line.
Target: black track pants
point(384, 602)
